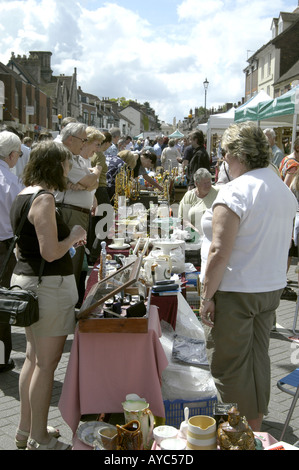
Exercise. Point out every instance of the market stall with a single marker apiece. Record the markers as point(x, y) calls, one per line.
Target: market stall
point(278, 112)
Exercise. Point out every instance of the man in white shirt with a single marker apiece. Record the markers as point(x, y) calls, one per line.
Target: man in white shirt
point(10, 151)
point(77, 200)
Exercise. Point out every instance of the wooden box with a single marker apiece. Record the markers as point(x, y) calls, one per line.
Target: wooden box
point(88, 319)
point(114, 325)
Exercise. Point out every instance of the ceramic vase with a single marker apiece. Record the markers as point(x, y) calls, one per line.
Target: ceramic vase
point(129, 436)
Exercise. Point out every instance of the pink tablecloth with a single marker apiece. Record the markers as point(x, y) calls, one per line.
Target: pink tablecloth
point(105, 367)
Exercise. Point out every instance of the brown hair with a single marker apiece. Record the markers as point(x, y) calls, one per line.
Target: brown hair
point(45, 165)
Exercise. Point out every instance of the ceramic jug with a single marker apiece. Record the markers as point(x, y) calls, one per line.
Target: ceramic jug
point(129, 436)
point(161, 268)
point(136, 408)
point(201, 433)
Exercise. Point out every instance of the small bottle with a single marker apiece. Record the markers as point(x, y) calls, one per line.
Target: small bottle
point(102, 269)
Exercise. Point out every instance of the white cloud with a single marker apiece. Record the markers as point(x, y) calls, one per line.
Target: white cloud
point(118, 51)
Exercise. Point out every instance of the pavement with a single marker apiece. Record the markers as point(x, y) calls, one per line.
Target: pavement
point(284, 354)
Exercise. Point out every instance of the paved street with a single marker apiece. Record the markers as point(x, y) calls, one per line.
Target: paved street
point(284, 356)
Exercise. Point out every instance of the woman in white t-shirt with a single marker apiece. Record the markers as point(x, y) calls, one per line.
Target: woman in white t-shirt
point(247, 234)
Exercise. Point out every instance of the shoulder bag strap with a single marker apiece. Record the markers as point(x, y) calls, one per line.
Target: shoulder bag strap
point(16, 237)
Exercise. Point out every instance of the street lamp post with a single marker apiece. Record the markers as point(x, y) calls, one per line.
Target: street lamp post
point(206, 85)
point(59, 122)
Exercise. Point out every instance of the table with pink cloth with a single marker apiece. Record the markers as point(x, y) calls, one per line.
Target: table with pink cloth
point(104, 367)
point(265, 438)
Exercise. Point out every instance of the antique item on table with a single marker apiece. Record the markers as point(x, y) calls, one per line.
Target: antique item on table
point(164, 432)
point(220, 411)
point(235, 434)
point(173, 248)
point(157, 268)
point(184, 424)
point(91, 317)
point(89, 433)
point(136, 408)
point(201, 433)
point(126, 185)
point(173, 444)
point(136, 310)
point(107, 438)
point(129, 436)
point(102, 267)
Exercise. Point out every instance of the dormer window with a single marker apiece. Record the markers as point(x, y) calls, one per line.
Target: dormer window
point(274, 27)
point(280, 26)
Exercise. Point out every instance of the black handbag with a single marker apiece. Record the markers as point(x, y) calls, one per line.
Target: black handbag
point(19, 307)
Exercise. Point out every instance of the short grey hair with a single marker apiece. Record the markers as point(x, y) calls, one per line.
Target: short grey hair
point(201, 174)
point(115, 131)
point(72, 129)
point(270, 132)
point(9, 142)
point(67, 120)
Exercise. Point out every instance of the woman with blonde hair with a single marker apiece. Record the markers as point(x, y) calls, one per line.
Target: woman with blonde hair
point(247, 235)
point(129, 158)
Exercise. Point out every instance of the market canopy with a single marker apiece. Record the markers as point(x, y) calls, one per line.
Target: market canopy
point(217, 124)
point(282, 108)
point(139, 136)
point(176, 135)
point(249, 110)
point(281, 111)
point(203, 127)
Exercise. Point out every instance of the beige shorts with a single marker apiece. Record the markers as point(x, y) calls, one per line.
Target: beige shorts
point(57, 296)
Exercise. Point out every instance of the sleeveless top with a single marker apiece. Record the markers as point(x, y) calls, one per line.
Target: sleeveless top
point(30, 258)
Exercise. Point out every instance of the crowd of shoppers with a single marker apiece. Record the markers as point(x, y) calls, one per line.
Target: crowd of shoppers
point(242, 221)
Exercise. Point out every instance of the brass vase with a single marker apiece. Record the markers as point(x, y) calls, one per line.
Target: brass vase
point(129, 436)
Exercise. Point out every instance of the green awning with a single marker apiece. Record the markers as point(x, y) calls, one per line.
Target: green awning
point(176, 135)
point(249, 110)
point(281, 112)
point(281, 107)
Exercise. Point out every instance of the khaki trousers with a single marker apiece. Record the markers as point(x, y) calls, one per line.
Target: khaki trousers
point(237, 349)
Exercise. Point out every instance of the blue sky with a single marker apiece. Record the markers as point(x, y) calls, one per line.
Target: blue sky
point(159, 51)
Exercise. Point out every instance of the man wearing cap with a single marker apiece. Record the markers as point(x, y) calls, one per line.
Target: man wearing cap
point(10, 151)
